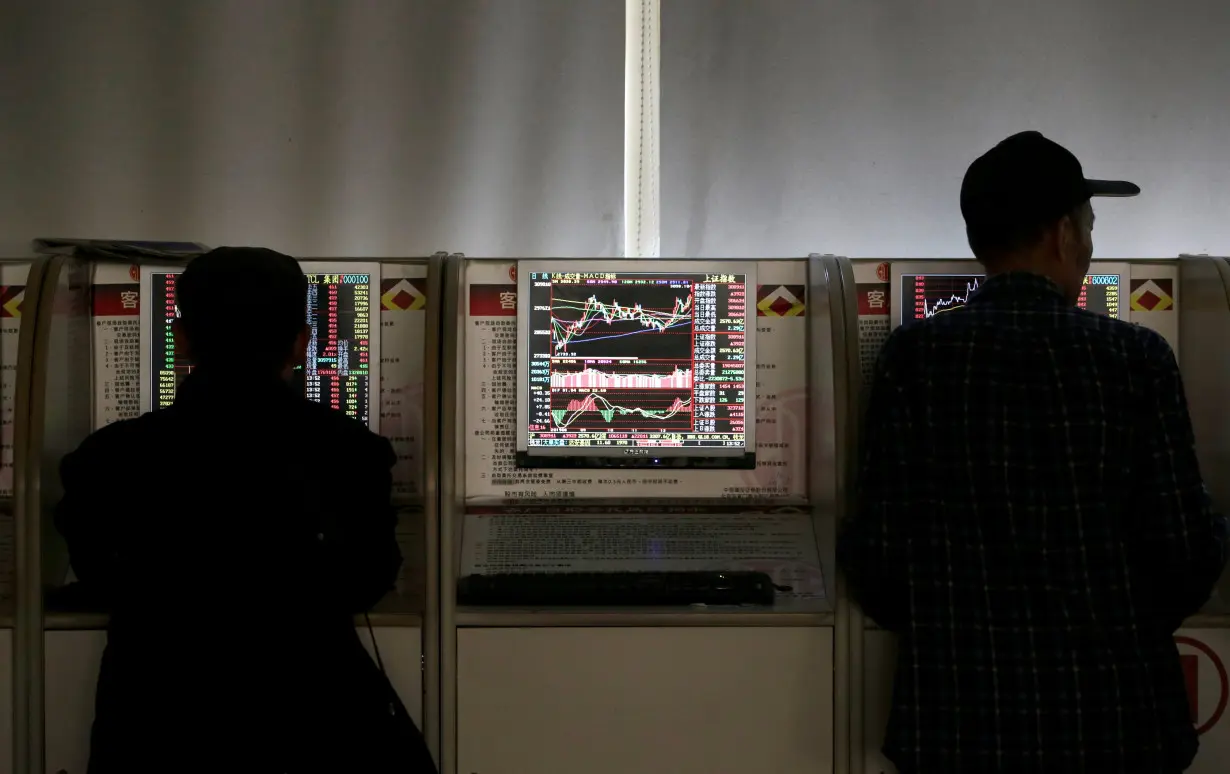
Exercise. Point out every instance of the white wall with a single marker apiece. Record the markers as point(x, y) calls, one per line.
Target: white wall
point(845, 126)
point(494, 127)
point(326, 127)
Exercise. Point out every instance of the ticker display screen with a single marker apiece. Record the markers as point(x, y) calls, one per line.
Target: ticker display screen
point(338, 364)
point(926, 295)
point(625, 363)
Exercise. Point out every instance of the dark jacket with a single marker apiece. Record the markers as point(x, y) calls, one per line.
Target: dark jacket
point(233, 537)
point(1033, 522)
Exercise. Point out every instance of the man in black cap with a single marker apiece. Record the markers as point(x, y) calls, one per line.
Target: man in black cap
point(1031, 517)
point(233, 537)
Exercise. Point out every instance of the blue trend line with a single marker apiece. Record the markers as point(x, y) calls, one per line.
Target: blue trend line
point(632, 333)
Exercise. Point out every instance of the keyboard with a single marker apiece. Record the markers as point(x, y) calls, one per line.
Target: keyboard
point(617, 588)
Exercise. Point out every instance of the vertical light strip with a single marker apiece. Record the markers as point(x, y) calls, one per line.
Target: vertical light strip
point(642, 85)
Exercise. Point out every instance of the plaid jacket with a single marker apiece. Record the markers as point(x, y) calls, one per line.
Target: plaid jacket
point(1032, 521)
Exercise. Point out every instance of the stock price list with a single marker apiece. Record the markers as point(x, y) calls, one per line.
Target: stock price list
point(1100, 293)
point(637, 359)
point(337, 370)
point(170, 367)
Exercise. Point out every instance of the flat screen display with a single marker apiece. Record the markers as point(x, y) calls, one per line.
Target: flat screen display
point(637, 364)
point(924, 295)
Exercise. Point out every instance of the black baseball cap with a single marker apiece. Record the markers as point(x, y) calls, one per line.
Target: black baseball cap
point(1026, 181)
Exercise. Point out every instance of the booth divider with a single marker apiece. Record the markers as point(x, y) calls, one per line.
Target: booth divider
point(63, 276)
point(848, 656)
point(25, 648)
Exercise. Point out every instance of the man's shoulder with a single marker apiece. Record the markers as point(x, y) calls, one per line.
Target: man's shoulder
point(328, 427)
point(961, 323)
point(125, 431)
point(1133, 341)
point(345, 432)
point(115, 442)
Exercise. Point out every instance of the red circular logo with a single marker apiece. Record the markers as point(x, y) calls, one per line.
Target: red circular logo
point(882, 272)
point(1223, 681)
point(512, 273)
point(134, 273)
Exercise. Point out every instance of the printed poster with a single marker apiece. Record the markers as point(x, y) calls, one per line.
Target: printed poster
point(871, 282)
point(12, 294)
point(117, 343)
point(403, 328)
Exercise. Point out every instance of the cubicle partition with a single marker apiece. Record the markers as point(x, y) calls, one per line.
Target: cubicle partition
point(20, 283)
point(1188, 302)
point(610, 689)
point(91, 304)
point(802, 686)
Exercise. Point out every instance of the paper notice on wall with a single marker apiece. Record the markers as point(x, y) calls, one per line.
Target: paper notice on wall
point(872, 287)
point(117, 352)
point(489, 374)
point(403, 325)
point(12, 294)
point(780, 542)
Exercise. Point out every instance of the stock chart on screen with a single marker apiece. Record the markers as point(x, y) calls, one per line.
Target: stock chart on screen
point(638, 364)
point(927, 295)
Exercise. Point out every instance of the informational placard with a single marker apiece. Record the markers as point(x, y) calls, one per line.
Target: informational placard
point(1205, 656)
point(780, 542)
point(488, 372)
point(117, 343)
point(403, 328)
point(12, 293)
point(1152, 298)
point(871, 284)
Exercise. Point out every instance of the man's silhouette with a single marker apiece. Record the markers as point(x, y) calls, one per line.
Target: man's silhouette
point(234, 536)
point(1031, 516)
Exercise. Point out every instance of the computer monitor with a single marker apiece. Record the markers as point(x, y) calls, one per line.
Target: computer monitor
point(636, 364)
point(923, 289)
point(343, 353)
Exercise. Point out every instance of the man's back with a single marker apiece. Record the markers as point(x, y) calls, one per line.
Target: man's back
point(233, 536)
point(1033, 521)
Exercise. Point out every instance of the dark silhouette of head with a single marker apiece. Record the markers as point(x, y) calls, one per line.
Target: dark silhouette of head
point(1026, 204)
point(242, 309)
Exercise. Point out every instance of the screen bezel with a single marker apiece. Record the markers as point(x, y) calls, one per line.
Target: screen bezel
point(372, 269)
point(642, 454)
point(899, 269)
